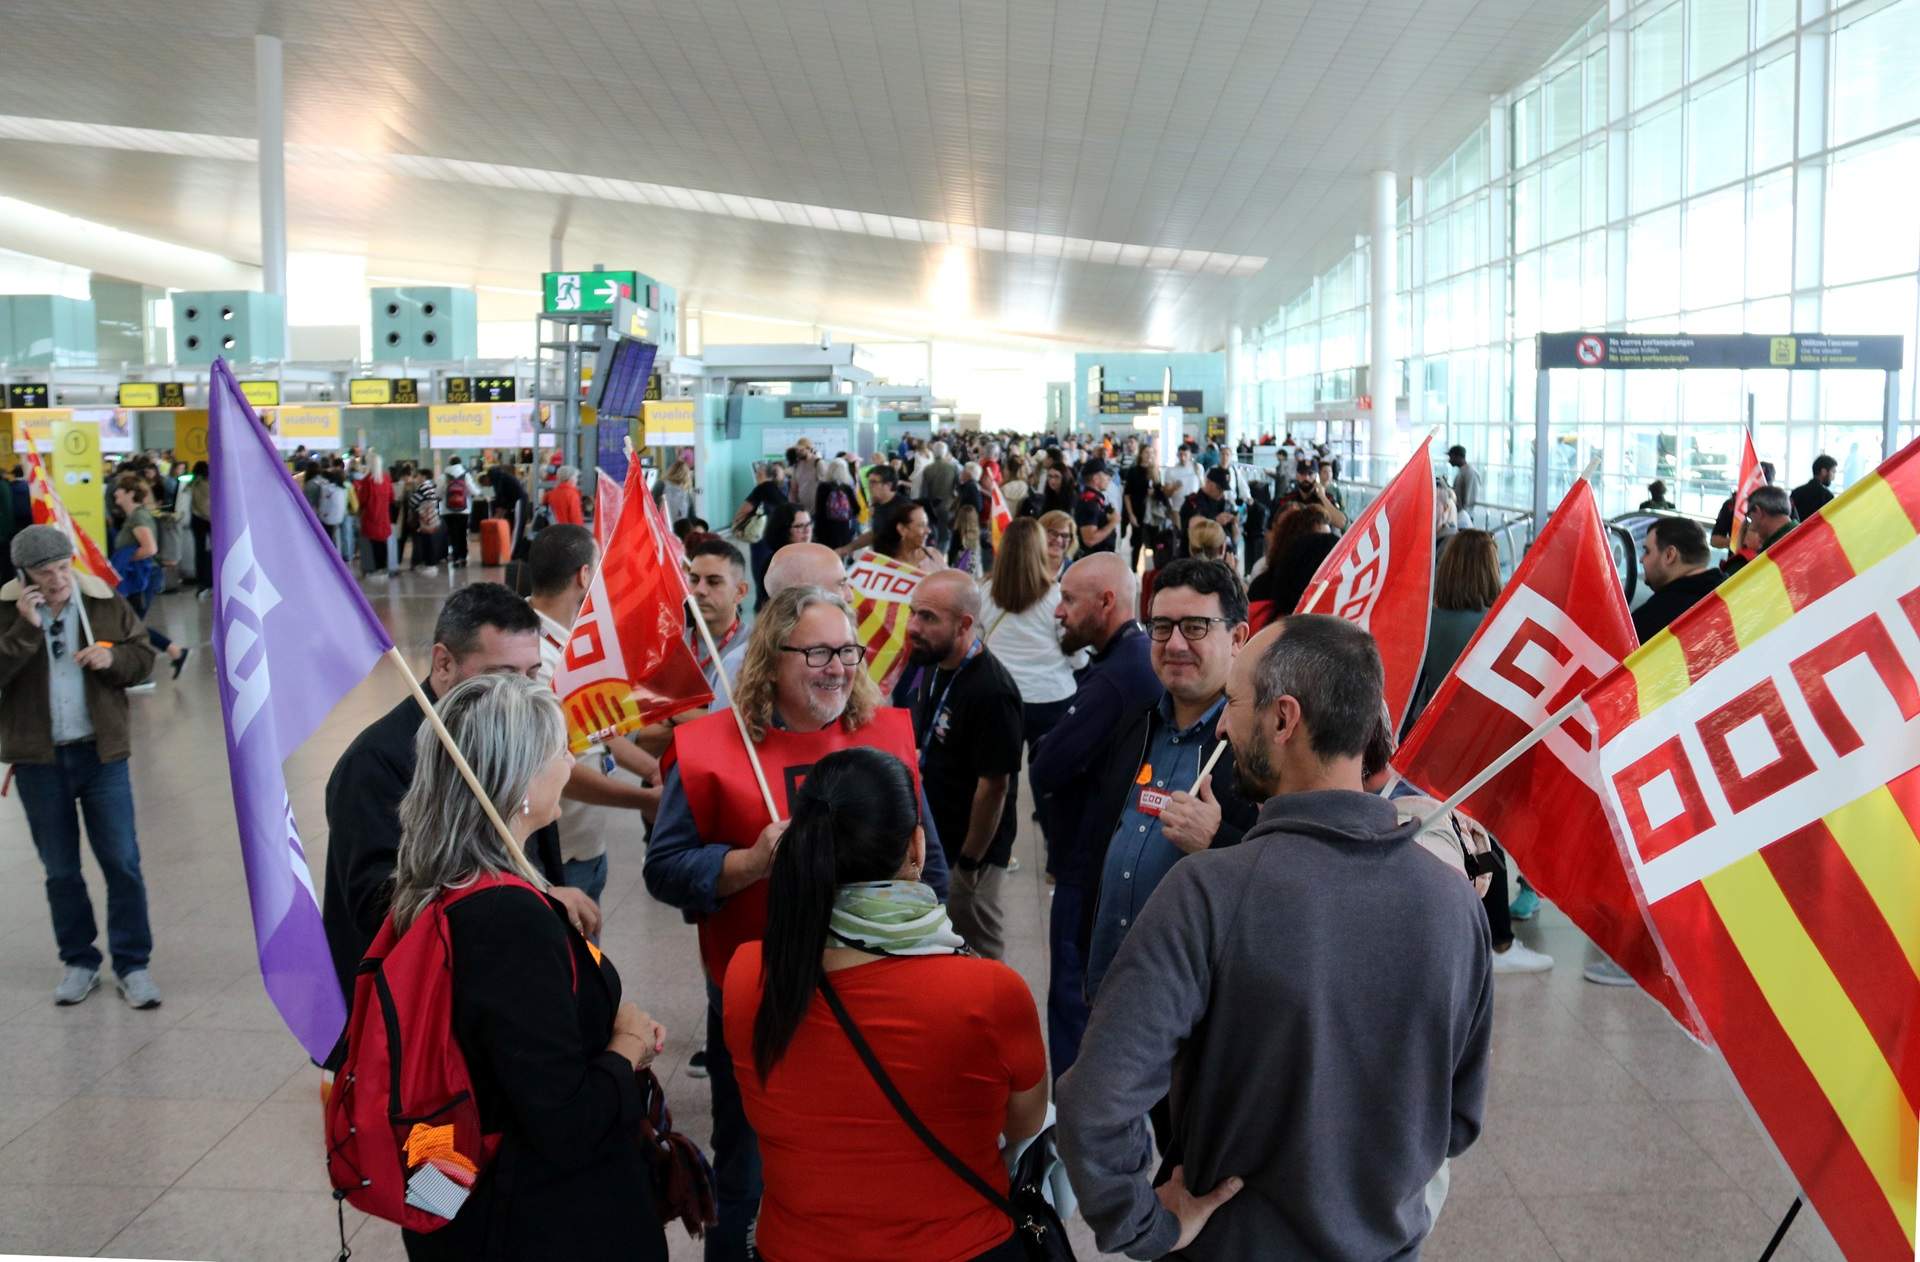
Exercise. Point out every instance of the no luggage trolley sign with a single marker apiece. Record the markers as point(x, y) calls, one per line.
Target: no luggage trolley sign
point(1798, 352)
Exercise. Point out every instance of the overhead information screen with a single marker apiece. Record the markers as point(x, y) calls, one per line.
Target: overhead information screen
point(1720, 350)
point(1136, 402)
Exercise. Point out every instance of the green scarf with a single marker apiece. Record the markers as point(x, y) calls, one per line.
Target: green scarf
point(893, 918)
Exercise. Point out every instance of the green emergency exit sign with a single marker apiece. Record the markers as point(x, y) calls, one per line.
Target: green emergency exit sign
point(587, 291)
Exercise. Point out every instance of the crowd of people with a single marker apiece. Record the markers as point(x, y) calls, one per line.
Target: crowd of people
point(1204, 766)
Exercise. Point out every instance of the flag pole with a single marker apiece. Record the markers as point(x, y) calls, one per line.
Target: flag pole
point(459, 760)
point(1501, 763)
point(739, 720)
point(726, 689)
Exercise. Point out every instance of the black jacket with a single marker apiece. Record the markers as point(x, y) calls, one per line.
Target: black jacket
point(363, 835)
point(1113, 780)
point(1682, 594)
point(532, 1013)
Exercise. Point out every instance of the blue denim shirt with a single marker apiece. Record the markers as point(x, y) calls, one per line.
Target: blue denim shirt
point(1140, 854)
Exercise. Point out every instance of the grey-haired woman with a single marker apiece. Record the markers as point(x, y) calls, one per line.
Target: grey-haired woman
point(552, 1048)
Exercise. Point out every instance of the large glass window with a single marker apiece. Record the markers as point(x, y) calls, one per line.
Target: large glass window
point(1874, 60)
point(1654, 179)
point(1715, 250)
point(1772, 19)
point(1560, 198)
point(1773, 113)
point(1526, 129)
point(1597, 91)
point(1656, 56)
point(1873, 212)
point(1653, 265)
point(1770, 236)
point(1717, 136)
point(1526, 213)
point(1717, 33)
point(1565, 107)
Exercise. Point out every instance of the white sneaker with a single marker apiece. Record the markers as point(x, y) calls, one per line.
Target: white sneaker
point(76, 985)
point(1521, 958)
point(149, 686)
point(138, 990)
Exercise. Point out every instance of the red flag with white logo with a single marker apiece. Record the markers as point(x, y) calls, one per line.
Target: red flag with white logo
point(1560, 625)
point(627, 663)
point(1380, 576)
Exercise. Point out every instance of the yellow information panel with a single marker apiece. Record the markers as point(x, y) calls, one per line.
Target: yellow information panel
point(463, 421)
point(369, 391)
point(33, 429)
point(262, 394)
point(667, 422)
point(76, 476)
point(140, 394)
point(317, 428)
point(190, 436)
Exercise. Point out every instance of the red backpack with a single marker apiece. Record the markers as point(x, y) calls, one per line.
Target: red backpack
point(403, 1129)
point(457, 494)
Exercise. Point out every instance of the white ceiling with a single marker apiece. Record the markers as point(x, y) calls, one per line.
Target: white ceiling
point(1106, 172)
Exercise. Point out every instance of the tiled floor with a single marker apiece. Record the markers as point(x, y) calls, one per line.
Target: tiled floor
point(193, 1131)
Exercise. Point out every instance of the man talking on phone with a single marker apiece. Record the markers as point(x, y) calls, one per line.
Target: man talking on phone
point(69, 649)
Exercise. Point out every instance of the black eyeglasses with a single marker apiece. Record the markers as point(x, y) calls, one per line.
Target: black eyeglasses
point(1191, 629)
point(821, 654)
point(56, 640)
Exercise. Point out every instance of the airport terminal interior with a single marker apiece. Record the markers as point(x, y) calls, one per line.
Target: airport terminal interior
point(1640, 269)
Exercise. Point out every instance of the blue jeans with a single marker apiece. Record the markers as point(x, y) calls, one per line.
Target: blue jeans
point(586, 875)
point(48, 793)
point(1066, 978)
point(141, 602)
point(736, 1149)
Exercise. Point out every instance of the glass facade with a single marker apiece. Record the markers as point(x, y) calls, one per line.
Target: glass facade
point(1695, 166)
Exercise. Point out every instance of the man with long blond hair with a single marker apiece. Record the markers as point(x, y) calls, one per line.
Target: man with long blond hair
point(802, 693)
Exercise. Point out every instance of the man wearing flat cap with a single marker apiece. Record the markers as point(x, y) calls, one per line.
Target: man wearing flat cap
point(69, 649)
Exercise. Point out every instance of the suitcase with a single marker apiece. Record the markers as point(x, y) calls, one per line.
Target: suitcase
point(493, 541)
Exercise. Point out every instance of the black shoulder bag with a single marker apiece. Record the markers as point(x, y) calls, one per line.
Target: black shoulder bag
point(1038, 1227)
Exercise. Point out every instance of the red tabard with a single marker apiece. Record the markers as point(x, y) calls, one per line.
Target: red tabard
point(727, 808)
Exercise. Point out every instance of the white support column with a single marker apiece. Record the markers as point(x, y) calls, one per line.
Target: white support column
point(270, 121)
point(1383, 439)
point(1239, 385)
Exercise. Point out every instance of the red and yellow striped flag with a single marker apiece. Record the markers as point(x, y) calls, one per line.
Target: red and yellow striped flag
point(1760, 762)
point(997, 510)
point(882, 589)
point(50, 510)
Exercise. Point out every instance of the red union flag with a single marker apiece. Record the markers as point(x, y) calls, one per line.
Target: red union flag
point(1751, 480)
point(1760, 763)
point(607, 497)
point(1560, 624)
point(627, 663)
point(1380, 576)
point(882, 589)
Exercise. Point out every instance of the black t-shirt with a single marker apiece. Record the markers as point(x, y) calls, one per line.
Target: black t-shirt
point(1093, 510)
point(1135, 487)
point(767, 496)
point(1809, 498)
point(967, 725)
point(1682, 594)
point(1723, 524)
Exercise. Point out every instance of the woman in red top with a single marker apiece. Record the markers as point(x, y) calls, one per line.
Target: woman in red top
point(846, 1180)
point(376, 513)
point(563, 501)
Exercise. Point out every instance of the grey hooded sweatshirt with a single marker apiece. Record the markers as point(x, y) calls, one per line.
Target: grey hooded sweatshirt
point(1319, 1002)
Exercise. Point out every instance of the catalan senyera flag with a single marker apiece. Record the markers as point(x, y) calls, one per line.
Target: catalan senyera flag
point(1559, 626)
point(882, 589)
point(627, 663)
point(997, 511)
point(1380, 577)
point(1760, 763)
point(49, 510)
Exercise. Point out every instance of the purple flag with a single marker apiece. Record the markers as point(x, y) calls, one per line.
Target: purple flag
point(292, 635)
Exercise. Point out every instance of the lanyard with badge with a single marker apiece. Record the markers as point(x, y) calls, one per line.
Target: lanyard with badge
point(940, 703)
point(1154, 799)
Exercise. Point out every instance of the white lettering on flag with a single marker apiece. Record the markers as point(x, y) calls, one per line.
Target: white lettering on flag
point(1363, 574)
point(1823, 710)
point(246, 585)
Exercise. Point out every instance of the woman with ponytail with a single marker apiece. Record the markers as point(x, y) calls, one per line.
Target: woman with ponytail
point(846, 1178)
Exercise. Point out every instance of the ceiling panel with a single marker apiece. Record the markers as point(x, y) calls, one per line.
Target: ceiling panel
point(1112, 156)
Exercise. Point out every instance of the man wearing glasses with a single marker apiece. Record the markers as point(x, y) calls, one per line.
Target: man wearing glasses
point(69, 648)
point(802, 693)
point(1144, 814)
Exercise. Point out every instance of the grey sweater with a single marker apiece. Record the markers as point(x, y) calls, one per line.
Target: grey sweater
point(1319, 1002)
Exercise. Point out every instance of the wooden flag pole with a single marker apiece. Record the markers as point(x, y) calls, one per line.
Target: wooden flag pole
point(739, 720)
point(713, 655)
point(1501, 763)
point(1219, 748)
point(460, 762)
